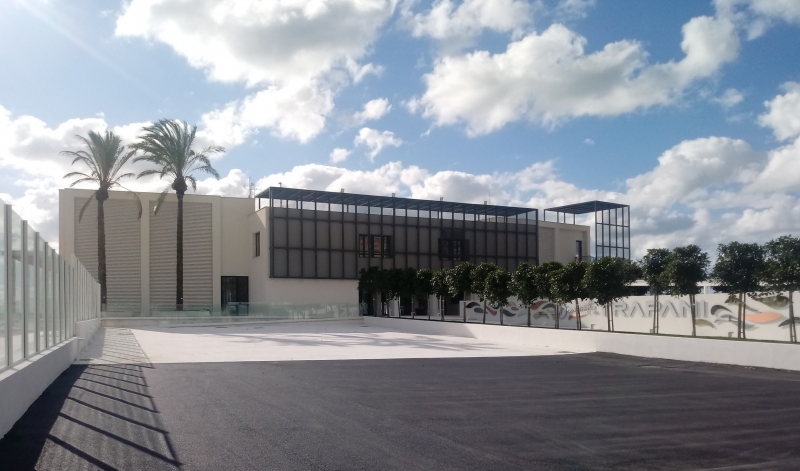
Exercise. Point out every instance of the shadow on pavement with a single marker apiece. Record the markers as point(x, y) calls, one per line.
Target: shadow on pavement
point(92, 416)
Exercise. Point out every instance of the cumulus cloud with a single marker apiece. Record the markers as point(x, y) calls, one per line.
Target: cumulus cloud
point(783, 114)
point(547, 78)
point(338, 155)
point(730, 98)
point(376, 140)
point(458, 25)
point(294, 111)
point(300, 53)
point(757, 16)
point(573, 9)
point(373, 109)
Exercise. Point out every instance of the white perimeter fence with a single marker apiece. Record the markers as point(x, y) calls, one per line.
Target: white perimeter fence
point(766, 318)
point(42, 296)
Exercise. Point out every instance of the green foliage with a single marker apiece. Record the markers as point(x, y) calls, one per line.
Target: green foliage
point(440, 283)
point(781, 271)
point(544, 278)
point(608, 279)
point(567, 283)
point(497, 288)
point(653, 265)
point(168, 146)
point(685, 268)
point(369, 280)
point(423, 286)
point(399, 282)
point(738, 267)
point(461, 278)
point(479, 276)
point(104, 155)
point(523, 284)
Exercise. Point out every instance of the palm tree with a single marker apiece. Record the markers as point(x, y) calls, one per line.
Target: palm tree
point(168, 145)
point(105, 155)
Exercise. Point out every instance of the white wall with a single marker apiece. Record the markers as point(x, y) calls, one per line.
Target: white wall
point(558, 241)
point(756, 354)
point(23, 383)
point(715, 316)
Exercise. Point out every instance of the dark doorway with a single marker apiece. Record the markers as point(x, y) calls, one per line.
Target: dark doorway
point(578, 250)
point(405, 306)
point(367, 301)
point(235, 295)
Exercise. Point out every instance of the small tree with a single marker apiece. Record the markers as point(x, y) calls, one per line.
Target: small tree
point(524, 286)
point(685, 268)
point(460, 281)
point(368, 282)
point(497, 290)
point(423, 286)
point(738, 270)
point(479, 275)
point(653, 265)
point(441, 288)
point(607, 280)
point(544, 280)
point(782, 272)
point(567, 286)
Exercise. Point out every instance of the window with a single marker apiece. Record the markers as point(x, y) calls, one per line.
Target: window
point(257, 242)
point(453, 249)
point(374, 246)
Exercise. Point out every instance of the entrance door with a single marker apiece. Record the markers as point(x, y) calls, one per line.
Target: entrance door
point(235, 295)
point(579, 250)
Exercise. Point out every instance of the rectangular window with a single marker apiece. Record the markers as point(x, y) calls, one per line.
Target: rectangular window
point(257, 244)
point(453, 249)
point(372, 246)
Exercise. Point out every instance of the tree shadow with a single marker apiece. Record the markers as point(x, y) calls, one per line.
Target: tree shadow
point(92, 416)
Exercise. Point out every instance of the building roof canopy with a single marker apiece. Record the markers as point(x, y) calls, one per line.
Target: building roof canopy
point(586, 207)
point(330, 197)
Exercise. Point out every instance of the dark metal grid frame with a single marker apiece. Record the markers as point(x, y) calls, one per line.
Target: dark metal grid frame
point(610, 218)
point(362, 207)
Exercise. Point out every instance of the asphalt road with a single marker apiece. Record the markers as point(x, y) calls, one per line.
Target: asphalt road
point(588, 411)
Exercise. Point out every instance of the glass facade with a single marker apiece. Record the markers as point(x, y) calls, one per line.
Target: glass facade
point(30, 290)
point(38, 302)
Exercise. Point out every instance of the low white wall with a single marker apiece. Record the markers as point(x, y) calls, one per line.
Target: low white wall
point(23, 383)
point(85, 330)
point(729, 352)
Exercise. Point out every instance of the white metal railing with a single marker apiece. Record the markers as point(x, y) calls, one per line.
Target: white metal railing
point(42, 296)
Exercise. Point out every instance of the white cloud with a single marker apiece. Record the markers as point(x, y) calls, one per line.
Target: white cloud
point(548, 78)
point(757, 16)
point(295, 111)
point(373, 109)
point(235, 184)
point(588, 142)
point(299, 52)
point(458, 25)
point(784, 113)
point(339, 155)
point(572, 9)
point(376, 140)
point(730, 98)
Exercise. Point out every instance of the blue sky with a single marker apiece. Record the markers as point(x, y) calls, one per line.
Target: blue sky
point(687, 110)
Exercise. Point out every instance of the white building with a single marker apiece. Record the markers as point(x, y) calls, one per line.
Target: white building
point(293, 246)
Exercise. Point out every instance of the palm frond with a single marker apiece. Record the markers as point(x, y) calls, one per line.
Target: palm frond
point(82, 180)
point(137, 199)
point(80, 215)
point(191, 180)
point(160, 200)
point(77, 174)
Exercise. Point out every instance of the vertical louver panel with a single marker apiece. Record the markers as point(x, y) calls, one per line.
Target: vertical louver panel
point(197, 256)
point(123, 250)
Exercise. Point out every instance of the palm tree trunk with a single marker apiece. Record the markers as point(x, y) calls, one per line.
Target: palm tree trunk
point(101, 254)
point(179, 257)
point(484, 311)
point(578, 313)
point(529, 315)
point(500, 313)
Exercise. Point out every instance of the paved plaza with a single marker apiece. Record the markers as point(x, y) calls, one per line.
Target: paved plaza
point(337, 395)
